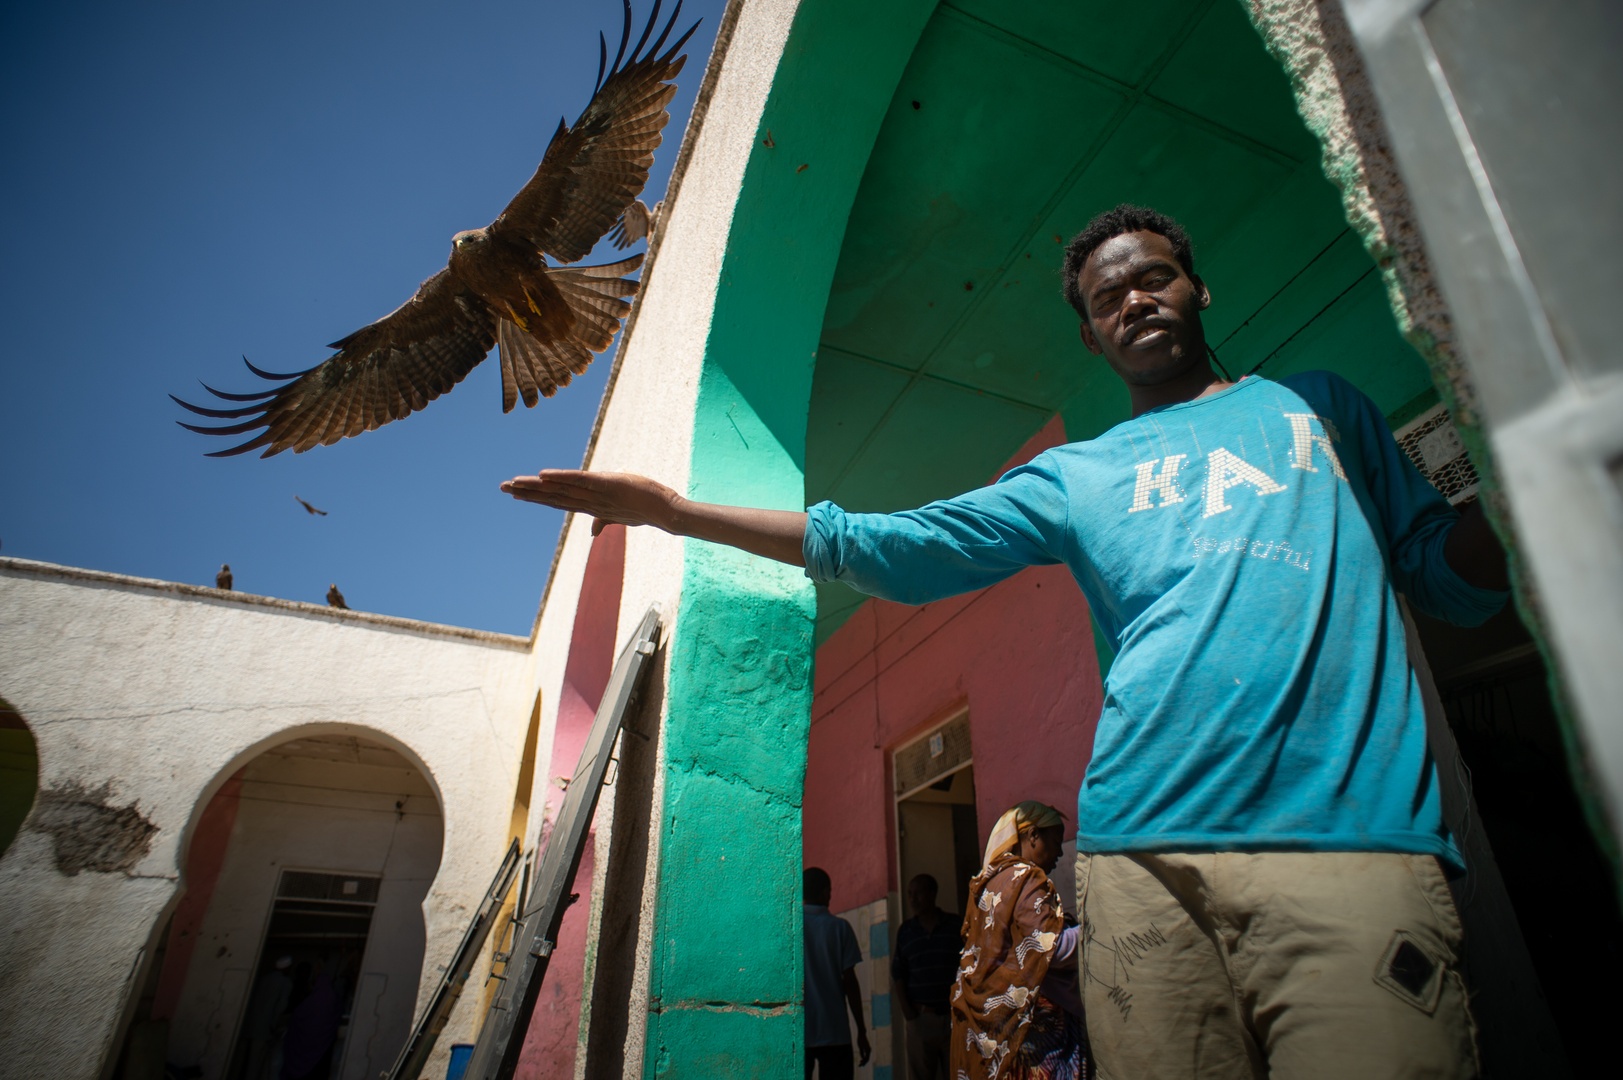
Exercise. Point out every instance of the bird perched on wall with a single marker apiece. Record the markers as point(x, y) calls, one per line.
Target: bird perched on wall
point(223, 579)
point(310, 508)
point(336, 598)
point(498, 288)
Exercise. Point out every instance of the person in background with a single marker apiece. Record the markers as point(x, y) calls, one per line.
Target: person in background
point(832, 957)
point(267, 1009)
point(311, 1029)
point(921, 973)
point(1003, 1028)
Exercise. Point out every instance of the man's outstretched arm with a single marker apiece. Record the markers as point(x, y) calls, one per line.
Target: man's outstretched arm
point(629, 499)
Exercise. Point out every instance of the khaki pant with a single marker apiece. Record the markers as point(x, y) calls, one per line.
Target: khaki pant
point(1283, 965)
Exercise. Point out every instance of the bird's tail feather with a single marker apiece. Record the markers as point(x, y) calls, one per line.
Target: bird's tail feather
point(533, 367)
point(602, 270)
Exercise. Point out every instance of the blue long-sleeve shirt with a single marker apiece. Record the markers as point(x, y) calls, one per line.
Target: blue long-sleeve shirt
point(1241, 552)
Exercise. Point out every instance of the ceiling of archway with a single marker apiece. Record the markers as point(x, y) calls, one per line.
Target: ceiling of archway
point(945, 343)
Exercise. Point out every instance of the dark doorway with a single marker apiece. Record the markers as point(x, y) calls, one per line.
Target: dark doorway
point(303, 986)
point(19, 773)
point(936, 829)
point(1495, 693)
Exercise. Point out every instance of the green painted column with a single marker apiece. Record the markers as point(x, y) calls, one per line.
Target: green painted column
point(725, 981)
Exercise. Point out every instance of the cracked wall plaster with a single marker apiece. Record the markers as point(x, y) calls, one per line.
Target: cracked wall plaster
point(88, 832)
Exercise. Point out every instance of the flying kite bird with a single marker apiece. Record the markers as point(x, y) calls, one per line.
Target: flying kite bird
point(310, 508)
point(498, 288)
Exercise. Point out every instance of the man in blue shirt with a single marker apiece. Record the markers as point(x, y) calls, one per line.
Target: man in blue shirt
point(1260, 836)
point(832, 956)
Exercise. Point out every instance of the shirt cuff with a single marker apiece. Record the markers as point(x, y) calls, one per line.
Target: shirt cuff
point(820, 547)
point(1065, 954)
point(1467, 604)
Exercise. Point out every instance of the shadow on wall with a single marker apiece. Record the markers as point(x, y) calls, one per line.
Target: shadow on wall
point(297, 946)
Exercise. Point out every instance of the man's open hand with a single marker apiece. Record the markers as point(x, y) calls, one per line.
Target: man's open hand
point(629, 499)
point(608, 498)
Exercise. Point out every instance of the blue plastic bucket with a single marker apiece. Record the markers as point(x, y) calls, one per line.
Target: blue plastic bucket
point(461, 1054)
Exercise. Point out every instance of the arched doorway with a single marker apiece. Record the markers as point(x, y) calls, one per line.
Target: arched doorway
point(19, 773)
point(300, 936)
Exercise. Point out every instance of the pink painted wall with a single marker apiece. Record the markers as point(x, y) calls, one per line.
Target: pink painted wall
point(204, 858)
point(1020, 655)
point(549, 1046)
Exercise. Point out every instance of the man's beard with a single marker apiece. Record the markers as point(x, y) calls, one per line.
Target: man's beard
point(1173, 365)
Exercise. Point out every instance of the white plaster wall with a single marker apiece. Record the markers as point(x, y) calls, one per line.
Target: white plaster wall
point(159, 692)
point(646, 423)
point(299, 812)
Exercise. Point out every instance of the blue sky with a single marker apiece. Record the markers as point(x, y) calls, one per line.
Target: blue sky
point(186, 183)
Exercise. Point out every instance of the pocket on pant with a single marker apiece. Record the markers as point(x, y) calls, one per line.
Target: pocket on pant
point(1428, 877)
point(1412, 972)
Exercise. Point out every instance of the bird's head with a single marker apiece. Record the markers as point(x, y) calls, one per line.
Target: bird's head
point(469, 239)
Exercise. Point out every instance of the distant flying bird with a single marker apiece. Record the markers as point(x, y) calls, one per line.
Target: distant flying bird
point(223, 579)
point(498, 287)
point(310, 508)
point(335, 598)
point(636, 223)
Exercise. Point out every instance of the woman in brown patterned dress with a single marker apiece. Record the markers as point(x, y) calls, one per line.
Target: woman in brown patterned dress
point(1003, 1027)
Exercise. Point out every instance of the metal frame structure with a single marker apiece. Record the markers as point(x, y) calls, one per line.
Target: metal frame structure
point(501, 1038)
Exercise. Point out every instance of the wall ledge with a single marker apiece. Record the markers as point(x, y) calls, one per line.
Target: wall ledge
point(32, 568)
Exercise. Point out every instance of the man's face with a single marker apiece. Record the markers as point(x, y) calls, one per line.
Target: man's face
point(1143, 309)
point(920, 896)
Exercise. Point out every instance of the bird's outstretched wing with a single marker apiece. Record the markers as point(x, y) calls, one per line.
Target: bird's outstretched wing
point(636, 223)
point(592, 171)
point(382, 372)
point(589, 175)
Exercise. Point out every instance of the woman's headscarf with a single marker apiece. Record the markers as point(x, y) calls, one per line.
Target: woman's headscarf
point(1006, 833)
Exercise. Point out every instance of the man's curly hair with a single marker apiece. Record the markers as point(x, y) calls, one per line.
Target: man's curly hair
point(1125, 218)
